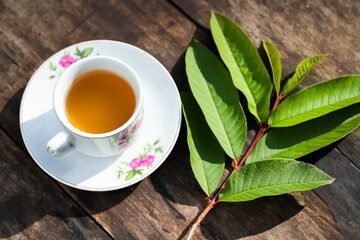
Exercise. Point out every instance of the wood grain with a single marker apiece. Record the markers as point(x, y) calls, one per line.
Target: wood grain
point(342, 196)
point(34, 207)
point(163, 205)
point(299, 29)
point(350, 146)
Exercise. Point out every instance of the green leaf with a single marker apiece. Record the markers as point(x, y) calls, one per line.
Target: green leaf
point(206, 156)
point(316, 101)
point(86, 52)
point(274, 59)
point(214, 91)
point(297, 141)
point(272, 177)
point(244, 63)
point(301, 72)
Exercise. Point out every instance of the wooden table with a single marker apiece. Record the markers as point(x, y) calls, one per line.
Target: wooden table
point(162, 206)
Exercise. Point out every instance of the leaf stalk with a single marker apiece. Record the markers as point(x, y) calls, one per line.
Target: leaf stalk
point(200, 218)
point(277, 102)
point(212, 201)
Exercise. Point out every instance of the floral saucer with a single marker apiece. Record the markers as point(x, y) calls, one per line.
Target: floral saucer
point(157, 136)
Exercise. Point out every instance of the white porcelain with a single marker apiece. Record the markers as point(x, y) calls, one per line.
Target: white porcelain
point(97, 145)
point(159, 130)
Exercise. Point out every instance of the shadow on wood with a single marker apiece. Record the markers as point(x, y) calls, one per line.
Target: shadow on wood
point(9, 116)
point(28, 195)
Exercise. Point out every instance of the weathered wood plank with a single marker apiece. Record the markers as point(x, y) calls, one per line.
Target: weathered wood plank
point(34, 207)
point(342, 196)
point(308, 221)
point(164, 204)
point(30, 32)
point(350, 147)
point(154, 26)
point(299, 29)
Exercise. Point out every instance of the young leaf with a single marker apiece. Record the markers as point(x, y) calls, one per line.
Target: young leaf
point(244, 63)
point(294, 142)
point(274, 59)
point(317, 101)
point(301, 72)
point(206, 156)
point(272, 177)
point(214, 91)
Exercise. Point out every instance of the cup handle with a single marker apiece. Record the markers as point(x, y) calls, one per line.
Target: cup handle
point(60, 144)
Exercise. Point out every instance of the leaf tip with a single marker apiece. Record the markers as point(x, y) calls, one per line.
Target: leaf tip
point(195, 41)
point(264, 42)
point(321, 56)
point(214, 13)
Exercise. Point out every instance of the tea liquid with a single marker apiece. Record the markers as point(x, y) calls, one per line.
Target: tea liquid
point(99, 101)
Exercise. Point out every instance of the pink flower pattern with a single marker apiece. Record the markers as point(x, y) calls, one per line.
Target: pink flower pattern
point(123, 138)
point(147, 161)
point(137, 125)
point(67, 60)
point(126, 136)
point(138, 164)
point(135, 163)
point(122, 143)
point(142, 162)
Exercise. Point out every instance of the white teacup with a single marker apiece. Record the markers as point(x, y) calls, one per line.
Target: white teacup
point(97, 145)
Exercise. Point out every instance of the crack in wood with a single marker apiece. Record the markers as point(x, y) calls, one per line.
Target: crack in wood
point(83, 20)
point(6, 56)
point(350, 160)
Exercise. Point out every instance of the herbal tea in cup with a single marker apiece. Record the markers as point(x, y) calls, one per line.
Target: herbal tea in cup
point(99, 108)
point(98, 100)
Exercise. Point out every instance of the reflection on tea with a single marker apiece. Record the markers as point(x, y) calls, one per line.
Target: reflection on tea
point(99, 101)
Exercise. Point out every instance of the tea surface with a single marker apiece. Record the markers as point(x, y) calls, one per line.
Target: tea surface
point(99, 101)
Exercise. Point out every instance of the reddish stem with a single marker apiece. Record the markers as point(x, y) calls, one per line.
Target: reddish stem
point(277, 102)
point(200, 218)
point(213, 201)
point(259, 135)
